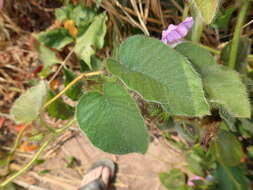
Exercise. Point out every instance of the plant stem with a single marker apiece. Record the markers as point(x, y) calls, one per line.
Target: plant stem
point(70, 85)
point(37, 155)
point(197, 29)
point(250, 57)
point(16, 143)
point(212, 50)
point(187, 6)
point(237, 34)
point(217, 52)
point(45, 124)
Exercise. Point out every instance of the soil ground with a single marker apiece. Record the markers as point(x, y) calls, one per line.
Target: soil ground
point(135, 171)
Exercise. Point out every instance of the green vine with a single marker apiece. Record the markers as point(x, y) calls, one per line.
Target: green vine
point(197, 29)
point(237, 34)
point(38, 153)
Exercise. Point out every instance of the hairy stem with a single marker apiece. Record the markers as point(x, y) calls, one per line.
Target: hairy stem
point(237, 34)
point(197, 30)
point(37, 155)
point(71, 84)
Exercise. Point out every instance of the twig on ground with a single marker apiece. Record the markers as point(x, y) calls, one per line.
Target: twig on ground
point(18, 153)
point(28, 186)
point(37, 155)
point(57, 144)
point(144, 27)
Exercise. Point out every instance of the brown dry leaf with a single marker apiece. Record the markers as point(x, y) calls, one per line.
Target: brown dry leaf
point(155, 7)
point(70, 26)
point(5, 57)
point(54, 84)
point(28, 147)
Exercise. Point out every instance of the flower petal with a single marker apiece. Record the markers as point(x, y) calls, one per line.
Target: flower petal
point(175, 33)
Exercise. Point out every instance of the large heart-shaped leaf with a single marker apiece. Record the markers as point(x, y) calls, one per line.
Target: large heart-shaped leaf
point(222, 85)
point(27, 107)
point(92, 39)
point(160, 74)
point(112, 120)
point(207, 9)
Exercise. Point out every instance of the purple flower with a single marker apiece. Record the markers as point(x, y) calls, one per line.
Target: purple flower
point(175, 33)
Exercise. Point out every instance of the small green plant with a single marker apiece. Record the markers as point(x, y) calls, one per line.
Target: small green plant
point(186, 82)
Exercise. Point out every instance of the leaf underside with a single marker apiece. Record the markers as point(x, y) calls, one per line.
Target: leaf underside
point(27, 107)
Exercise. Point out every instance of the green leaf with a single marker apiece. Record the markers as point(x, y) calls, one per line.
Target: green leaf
point(64, 13)
point(82, 14)
point(175, 180)
point(96, 64)
point(10, 186)
point(27, 107)
point(75, 91)
point(48, 58)
point(59, 109)
point(207, 9)
point(224, 18)
point(92, 39)
point(160, 74)
point(227, 118)
point(227, 149)
point(112, 120)
point(222, 85)
point(250, 151)
point(196, 160)
point(56, 38)
point(247, 125)
point(242, 55)
point(231, 178)
point(44, 172)
point(61, 14)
